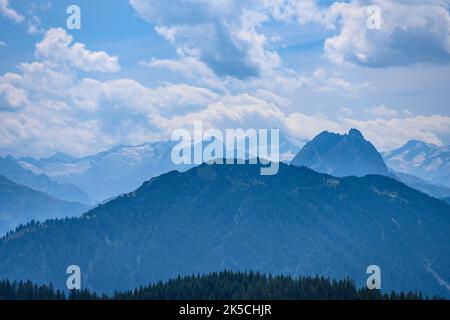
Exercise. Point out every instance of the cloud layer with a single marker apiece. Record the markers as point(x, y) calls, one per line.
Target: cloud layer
point(411, 32)
point(229, 75)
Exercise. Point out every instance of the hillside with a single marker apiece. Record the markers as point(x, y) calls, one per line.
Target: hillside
point(218, 217)
point(20, 204)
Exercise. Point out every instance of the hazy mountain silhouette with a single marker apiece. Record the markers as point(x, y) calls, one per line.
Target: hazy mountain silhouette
point(10, 168)
point(123, 168)
point(341, 155)
point(422, 185)
point(20, 204)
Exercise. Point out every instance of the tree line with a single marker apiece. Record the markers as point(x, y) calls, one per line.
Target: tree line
point(226, 285)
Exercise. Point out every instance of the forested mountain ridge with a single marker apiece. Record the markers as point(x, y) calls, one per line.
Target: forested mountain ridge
point(218, 217)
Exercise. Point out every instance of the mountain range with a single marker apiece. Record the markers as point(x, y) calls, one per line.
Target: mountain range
point(108, 173)
point(104, 175)
point(352, 155)
point(437, 191)
point(13, 170)
point(120, 169)
point(20, 204)
point(216, 217)
point(424, 160)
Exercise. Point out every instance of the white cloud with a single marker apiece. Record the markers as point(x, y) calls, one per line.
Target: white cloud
point(346, 111)
point(246, 111)
point(411, 32)
point(226, 34)
point(189, 67)
point(46, 106)
point(13, 97)
point(2, 44)
point(221, 34)
point(8, 12)
point(34, 11)
point(382, 111)
point(34, 25)
point(387, 134)
point(323, 82)
point(57, 50)
point(226, 49)
point(302, 12)
point(59, 113)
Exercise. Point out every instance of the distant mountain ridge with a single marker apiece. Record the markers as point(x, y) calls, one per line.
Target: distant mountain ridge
point(108, 173)
point(341, 155)
point(352, 155)
point(120, 169)
point(20, 205)
point(424, 160)
point(217, 217)
point(10, 168)
point(422, 185)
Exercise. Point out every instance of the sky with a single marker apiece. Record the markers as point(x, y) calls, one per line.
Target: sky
point(139, 69)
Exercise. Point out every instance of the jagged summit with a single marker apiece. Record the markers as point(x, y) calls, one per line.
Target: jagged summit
point(341, 155)
point(355, 133)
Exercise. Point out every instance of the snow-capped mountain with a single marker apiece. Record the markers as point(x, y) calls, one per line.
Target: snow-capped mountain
point(122, 168)
point(108, 173)
point(424, 160)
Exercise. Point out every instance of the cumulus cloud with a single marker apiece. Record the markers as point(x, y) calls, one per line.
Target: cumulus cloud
point(222, 34)
point(236, 81)
point(61, 113)
point(46, 107)
point(226, 35)
point(247, 111)
point(323, 82)
point(302, 12)
point(189, 67)
point(411, 32)
point(13, 96)
point(382, 111)
point(8, 12)
point(221, 45)
point(387, 134)
point(57, 50)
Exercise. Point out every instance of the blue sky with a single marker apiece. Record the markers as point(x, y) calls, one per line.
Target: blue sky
point(139, 69)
